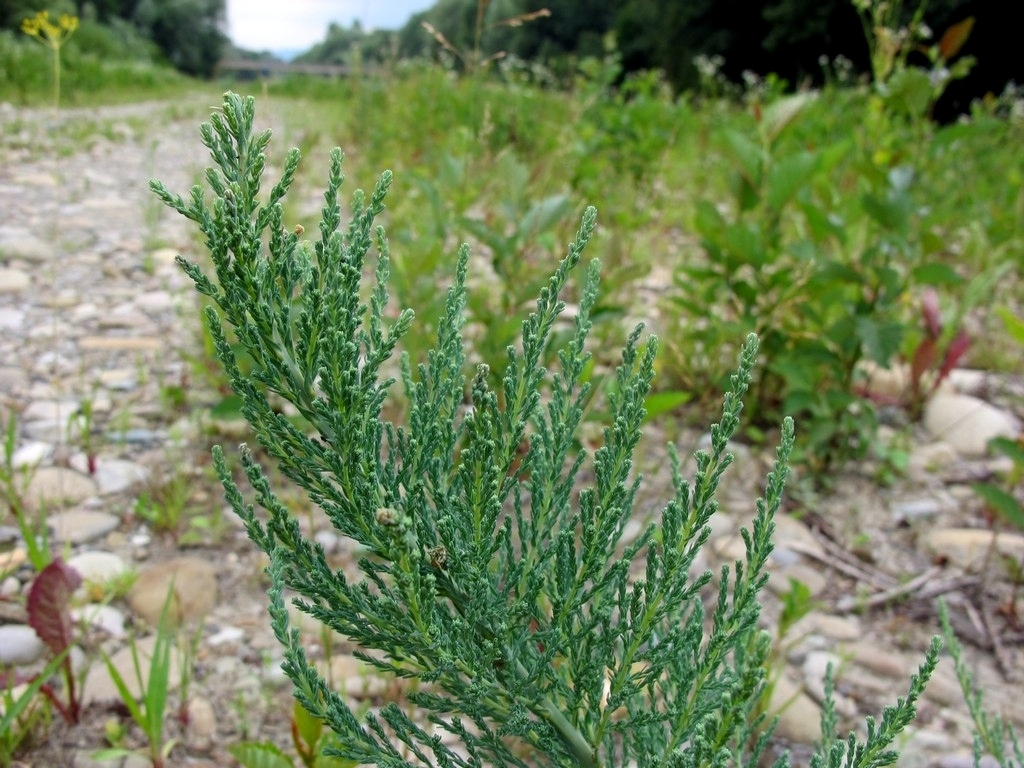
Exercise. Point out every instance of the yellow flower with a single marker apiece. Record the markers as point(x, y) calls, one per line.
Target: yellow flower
point(46, 32)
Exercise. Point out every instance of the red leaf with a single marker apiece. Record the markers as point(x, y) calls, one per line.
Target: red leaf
point(924, 359)
point(956, 349)
point(953, 39)
point(930, 311)
point(48, 604)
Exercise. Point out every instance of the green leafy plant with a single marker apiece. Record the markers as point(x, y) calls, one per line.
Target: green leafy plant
point(818, 276)
point(23, 713)
point(536, 634)
point(147, 709)
point(910, 89)
point(310, 741)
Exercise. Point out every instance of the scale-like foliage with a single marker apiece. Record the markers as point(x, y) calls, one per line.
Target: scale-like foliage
point(497, 573)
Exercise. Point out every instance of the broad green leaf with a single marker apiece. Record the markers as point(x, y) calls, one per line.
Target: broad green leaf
point(708, 221)
point(1002, 503)
point(744, 244)
point(935, 273)
point(799, 401)
point(892, 213)
point(911, 90)
point(1014, 325)
point(543, 215)
point(881, 340)
point(662, 402)
point(747, 157)
point(783, 112)
point(229, 407)
point(1011, 448)
point(259, 755)
point(823, 224)
point(309, 727)
point(787, 176)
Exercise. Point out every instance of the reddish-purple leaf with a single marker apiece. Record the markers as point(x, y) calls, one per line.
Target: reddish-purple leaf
point(953, 39)
point(48, 604)
point(924, 359)
point(930, 311)
point(957, 348)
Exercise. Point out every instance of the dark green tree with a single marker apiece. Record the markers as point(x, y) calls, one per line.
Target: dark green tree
point(190, 33)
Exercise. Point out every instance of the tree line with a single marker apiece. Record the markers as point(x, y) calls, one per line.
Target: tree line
point(790, 38)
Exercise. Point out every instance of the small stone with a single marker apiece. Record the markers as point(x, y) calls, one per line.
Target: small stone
point(328, 540)
point(106, 618)
point(117, 475)
point(19, 645)
point(9, 587)
point(50, 487)
point(202, 724)
point(11, 319)
point(164, 257)
point(891, 382)
point(915, 509)
point(226, 635)
point(967, 423)
point(799, 716)
point(81, 526)
point(123, 317)
point(920, 748)
point(99, 567)
point(13, 379)
point(13, 280)
point(815, 670)
point(193, 580)
point(26, 248)
point(120, 379)
point(970, 381)
point(120, 343)
point(968, 548)
point(876, 658)
point(810, 577)
point(966, 760)
point(357, 679)
point(931, 458)
point(31, 454)
point(155, 301)
point(944, 688)
point(834, 627)
point(50, 410)
point(12, 559)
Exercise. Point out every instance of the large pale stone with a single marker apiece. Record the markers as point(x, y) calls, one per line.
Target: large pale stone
point(13, 280)
point(193, 580)
point(52, 487)
point(120, 343)
point(799, 715)
point(967, 423)
point(79, 526)
point(968, 547)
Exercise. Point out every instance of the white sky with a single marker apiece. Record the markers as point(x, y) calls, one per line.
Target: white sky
point(297, 24)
